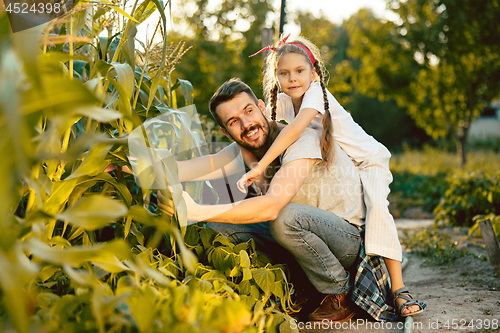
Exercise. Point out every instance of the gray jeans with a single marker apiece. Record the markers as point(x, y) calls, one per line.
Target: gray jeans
point(323, 244)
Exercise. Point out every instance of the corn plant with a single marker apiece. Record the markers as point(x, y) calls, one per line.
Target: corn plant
point(80, 248)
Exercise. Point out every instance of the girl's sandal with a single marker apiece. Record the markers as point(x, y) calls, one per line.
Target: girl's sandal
point(403, 293)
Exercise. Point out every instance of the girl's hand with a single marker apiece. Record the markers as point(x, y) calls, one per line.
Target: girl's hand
point(247, 179)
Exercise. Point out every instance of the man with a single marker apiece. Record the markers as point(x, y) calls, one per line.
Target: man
point(308, 204)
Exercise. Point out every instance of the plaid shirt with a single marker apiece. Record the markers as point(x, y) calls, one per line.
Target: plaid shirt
point(371, 291)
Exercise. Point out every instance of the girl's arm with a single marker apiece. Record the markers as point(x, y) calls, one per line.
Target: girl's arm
point(258, 179)
point(286, 137)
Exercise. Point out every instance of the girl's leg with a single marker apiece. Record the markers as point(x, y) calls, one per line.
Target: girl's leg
point(396, 275)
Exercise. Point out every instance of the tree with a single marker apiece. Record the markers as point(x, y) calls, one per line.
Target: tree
point(441, 60)
point(222, 39)
point(385, 120)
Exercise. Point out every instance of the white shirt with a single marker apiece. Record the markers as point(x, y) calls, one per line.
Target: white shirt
point(346, 132)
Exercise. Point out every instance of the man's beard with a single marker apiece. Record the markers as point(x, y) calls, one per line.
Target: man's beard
point(265, 135)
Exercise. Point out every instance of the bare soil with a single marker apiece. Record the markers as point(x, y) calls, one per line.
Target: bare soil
point(463, 297)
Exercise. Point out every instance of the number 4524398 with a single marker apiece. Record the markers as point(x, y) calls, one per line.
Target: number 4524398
point(36, 8)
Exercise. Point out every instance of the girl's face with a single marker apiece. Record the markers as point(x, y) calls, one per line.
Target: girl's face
point(295, 75)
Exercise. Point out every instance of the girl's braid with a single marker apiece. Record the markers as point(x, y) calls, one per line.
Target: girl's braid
point(274, 96)
point(326, 139)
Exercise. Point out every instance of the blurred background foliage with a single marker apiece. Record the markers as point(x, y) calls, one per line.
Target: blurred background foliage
point(408, 82)
point(415, 84)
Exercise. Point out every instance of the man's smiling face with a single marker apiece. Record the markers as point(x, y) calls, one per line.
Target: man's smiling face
point(244, 121)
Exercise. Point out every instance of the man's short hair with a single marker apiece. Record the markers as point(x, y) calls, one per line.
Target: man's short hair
point(226, 92)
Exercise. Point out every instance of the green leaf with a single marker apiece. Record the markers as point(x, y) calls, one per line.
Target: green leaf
point(78, 20)
point(145, 9)
point(188, 258)
point(142, 215)
point(97, 113)
point(277, 289)
point(45, 300)
point(213, 275)
point(254, 292)
point(125, 79)
point(111, 264)
point(26, 44)
point(81, 277)
point(187, 91)
point(56, 58)
point(125, 284)
point(264, 279)
point(13, 291)
point(142, 307)
point(112, 5)
point(287, 327)
point(47, 272)
point(218, 258)
point(224, 240)
point(60, 193)
point(207, 236)
point(244, 259)
point(94, 163)
point(153, 89)
point(61, 93)
point(191, 237)
point(244, 287)
point(234, 272)
point(129, 45)
point(121, 189)
point(76, 255)
point(93, 212)
point(247, 273)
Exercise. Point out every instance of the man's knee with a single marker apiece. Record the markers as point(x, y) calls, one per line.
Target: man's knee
point(285, 221)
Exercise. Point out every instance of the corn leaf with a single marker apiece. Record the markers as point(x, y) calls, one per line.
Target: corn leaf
point(93, 212)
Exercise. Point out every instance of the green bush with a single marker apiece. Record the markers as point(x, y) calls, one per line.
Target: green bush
point(419, 190)
point(468, 195)
point(495, 223)
point(436, 247)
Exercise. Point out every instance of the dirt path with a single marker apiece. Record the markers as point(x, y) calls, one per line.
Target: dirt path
point(462, 298)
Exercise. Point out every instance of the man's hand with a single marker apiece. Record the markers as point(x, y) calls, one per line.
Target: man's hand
point(166, 205)
point(192, 207)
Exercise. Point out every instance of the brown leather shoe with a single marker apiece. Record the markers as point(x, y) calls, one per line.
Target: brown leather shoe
point(333, 308)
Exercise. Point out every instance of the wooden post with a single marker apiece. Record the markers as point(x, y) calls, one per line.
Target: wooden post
point(267, 40)
point(282, 19)
point(491, 243)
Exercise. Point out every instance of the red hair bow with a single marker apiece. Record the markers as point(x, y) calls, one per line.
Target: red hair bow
point(282, 42)
point(268, 48)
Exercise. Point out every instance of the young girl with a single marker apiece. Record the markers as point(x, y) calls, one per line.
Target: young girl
point(296, 69)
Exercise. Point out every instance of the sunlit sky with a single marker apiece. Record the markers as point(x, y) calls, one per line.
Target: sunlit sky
point(335, 10)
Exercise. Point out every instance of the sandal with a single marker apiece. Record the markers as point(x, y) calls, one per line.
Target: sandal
point(403, 293)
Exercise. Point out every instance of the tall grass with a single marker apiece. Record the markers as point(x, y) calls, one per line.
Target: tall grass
point(431, 161)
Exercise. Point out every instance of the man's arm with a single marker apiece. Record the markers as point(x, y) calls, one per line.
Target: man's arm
point(207, 167)
point(284, 186)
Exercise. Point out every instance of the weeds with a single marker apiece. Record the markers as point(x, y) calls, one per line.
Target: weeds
point(436, 248)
